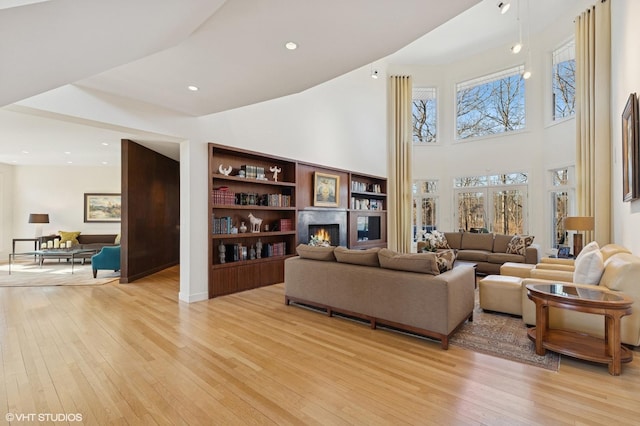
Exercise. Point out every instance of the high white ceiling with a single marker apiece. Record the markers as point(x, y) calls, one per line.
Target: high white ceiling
point(233, 50)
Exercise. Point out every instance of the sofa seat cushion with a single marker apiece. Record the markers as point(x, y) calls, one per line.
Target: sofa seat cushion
point(424, 263)
point(474, 255)
point(504, 258)
point(367, 257)
point(316, 253)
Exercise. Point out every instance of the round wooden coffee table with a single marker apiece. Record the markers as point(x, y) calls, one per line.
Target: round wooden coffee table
point(613, 306)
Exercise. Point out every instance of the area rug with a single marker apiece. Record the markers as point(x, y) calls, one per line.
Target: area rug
point(30, 274)
point(502, 336)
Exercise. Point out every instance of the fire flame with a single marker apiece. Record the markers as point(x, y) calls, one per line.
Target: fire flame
point(322, 235)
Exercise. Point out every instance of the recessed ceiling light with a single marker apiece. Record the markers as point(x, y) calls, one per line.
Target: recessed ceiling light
point(104, 162)
point(105, 143)
point(291, 45)
point(193, 88)
point(25, 151)
point(67, 152)
point(504, 6)
point(516, 48)
point(69, 162)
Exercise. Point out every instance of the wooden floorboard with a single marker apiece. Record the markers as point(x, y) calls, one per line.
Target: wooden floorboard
point(133, 354)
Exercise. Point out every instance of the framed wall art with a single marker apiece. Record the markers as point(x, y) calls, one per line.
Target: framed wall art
point(102, 207)
point(630, 151)
point(326, 190)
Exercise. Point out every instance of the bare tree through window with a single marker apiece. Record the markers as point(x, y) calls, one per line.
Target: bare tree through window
point(491, 105)
point(424, 110)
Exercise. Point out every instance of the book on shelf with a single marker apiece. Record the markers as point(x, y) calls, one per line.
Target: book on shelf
point(223, 196)
point(222, 225)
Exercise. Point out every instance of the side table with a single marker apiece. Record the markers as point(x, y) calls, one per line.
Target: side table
point(613, 306)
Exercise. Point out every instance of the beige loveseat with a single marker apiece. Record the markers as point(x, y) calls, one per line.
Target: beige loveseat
point(353, 282)
point(621, 274)
point(488, 250)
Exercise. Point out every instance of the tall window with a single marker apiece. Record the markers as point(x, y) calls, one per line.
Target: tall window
point(491, 104)
point(561, 198)
point(495, 203)
point(564, 81)
point(424, 111)
point(425, 198)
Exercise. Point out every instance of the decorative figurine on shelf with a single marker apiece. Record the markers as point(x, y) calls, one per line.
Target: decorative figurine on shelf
point(259, 249)
point(243, 228)
point(255, 223)
point(252, 253)
point(224, 171)
point(221, 252)
point(275, 170)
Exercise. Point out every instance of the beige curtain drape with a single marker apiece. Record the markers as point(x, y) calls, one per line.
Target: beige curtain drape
point(400, 177)
point(593, 124)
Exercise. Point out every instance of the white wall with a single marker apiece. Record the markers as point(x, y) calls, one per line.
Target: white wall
point(59, 191)
point(542, 146)
point(625, 80)
point(6, 212)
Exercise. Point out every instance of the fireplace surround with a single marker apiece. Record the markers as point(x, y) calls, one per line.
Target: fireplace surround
point(322, 218)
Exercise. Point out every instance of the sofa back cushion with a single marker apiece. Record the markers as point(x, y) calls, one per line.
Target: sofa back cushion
point(454, 239)
point(367, 257)
point(316, 253)
point(500, 243)
point(609, 250)
point(424, 263)
point(621, 273)
point(473, 241)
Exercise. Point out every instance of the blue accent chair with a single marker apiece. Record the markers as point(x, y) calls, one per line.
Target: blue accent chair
point(108, 258)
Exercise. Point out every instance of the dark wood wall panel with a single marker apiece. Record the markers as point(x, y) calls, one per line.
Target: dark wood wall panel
point(305, 182)
point(151, 212)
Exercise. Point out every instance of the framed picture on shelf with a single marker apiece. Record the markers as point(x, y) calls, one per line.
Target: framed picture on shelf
point(326, 190)
point(630, 150)
point(102, 207)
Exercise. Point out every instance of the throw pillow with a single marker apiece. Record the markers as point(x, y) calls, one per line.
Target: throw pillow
point(69, 236)
point(435, 240)
point(519, 244)
point(117, 240)
point(445, 260)
point(424, 263)
point(315, 252)
point(592, 246)
point(589, 268)
point(367, 257)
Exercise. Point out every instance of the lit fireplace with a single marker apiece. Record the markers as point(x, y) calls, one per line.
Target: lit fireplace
point(324, 234)
point(322, 224)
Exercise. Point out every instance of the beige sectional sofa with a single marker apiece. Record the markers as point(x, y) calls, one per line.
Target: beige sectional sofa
point(418, 299)
point(620, 273)
point(488, 250)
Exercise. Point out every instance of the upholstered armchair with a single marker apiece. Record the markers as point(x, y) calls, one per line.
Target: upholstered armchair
point(108, 258)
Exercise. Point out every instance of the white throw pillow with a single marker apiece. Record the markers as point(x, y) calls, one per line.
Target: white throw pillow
point(592, 246)
point(588, 268)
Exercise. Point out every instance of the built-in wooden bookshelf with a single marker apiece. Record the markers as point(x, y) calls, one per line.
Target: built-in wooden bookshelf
point(242, 182)
point(236, 261)
point(367, 211)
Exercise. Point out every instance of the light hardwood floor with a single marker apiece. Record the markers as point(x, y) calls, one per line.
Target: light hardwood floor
point(133, 354)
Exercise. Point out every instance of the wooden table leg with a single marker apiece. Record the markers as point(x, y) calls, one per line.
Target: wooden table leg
point(612, 341)
point(542, 324)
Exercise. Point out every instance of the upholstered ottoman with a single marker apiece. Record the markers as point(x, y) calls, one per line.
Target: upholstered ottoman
point(501, 293)
point(514, 269)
